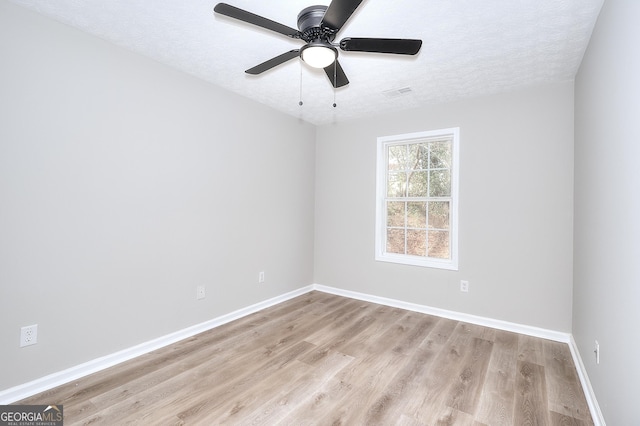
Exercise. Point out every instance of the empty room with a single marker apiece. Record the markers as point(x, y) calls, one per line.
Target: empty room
point(357, 213)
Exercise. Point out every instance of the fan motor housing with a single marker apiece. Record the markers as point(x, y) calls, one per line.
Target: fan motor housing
point(309, 24)
point(311, 17)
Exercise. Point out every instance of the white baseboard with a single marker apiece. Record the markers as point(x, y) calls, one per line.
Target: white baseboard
point(26, 390)
point(594, 408)
point(50, 381)
point(458, 316)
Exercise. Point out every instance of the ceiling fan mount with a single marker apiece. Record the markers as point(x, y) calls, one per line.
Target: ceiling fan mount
point(318, 27)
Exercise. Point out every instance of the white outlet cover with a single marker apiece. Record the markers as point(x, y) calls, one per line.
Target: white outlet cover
point(29, 335)
point(200, 292)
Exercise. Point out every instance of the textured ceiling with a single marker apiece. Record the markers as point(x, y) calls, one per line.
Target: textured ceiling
point(470, 48)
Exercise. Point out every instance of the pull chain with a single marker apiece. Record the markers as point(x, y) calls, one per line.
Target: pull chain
point(300, 102)
point(335, 84)
point(335, 81)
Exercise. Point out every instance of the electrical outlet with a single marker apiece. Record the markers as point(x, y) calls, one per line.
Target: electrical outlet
point(29, 335)
point(200, 292)
point(597, 352)
point(261, 277)
point(464, 286)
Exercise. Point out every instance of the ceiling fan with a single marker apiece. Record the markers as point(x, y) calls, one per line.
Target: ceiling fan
point(317, 27)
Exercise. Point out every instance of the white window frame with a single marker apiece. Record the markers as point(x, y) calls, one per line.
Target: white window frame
point(381, 196)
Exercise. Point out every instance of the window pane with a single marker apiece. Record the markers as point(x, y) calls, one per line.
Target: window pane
point(440, 155)
point(417, 214)
point(397, 184)
point(439, 215)
point(418, 184)
point(439, 183)
point(395, 213)
point(413, 160)
point(417, 242)
point(439, 244)
point(423, 156)
point(395, 241)
point(397, 157)
point(418, 156)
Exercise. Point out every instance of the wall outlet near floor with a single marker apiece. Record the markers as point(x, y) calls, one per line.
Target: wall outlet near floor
point(29, 335)
point(597, 352)
point(261, 277)
point(200, 292)
point(464, 286)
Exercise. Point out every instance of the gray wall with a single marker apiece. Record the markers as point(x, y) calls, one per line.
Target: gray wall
point(124, 184)
point(606, 292)
point(516, 183)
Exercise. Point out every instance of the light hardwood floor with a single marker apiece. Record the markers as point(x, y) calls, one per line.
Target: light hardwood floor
point(321, 359)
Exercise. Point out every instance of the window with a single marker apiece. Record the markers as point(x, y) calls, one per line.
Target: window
point(417, 199)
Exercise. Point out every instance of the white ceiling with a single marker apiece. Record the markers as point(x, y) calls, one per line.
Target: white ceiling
point(470, 48)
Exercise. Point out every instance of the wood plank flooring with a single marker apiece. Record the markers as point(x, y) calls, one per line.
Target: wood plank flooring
point(321, 359)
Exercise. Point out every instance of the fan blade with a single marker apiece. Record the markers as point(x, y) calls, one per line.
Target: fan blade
point(251, 18)
point(336, 75)
point(338, 13)
point(398, 46)
point(273, 62)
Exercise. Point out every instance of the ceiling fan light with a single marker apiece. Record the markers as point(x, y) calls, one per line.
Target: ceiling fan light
point(318, 56)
